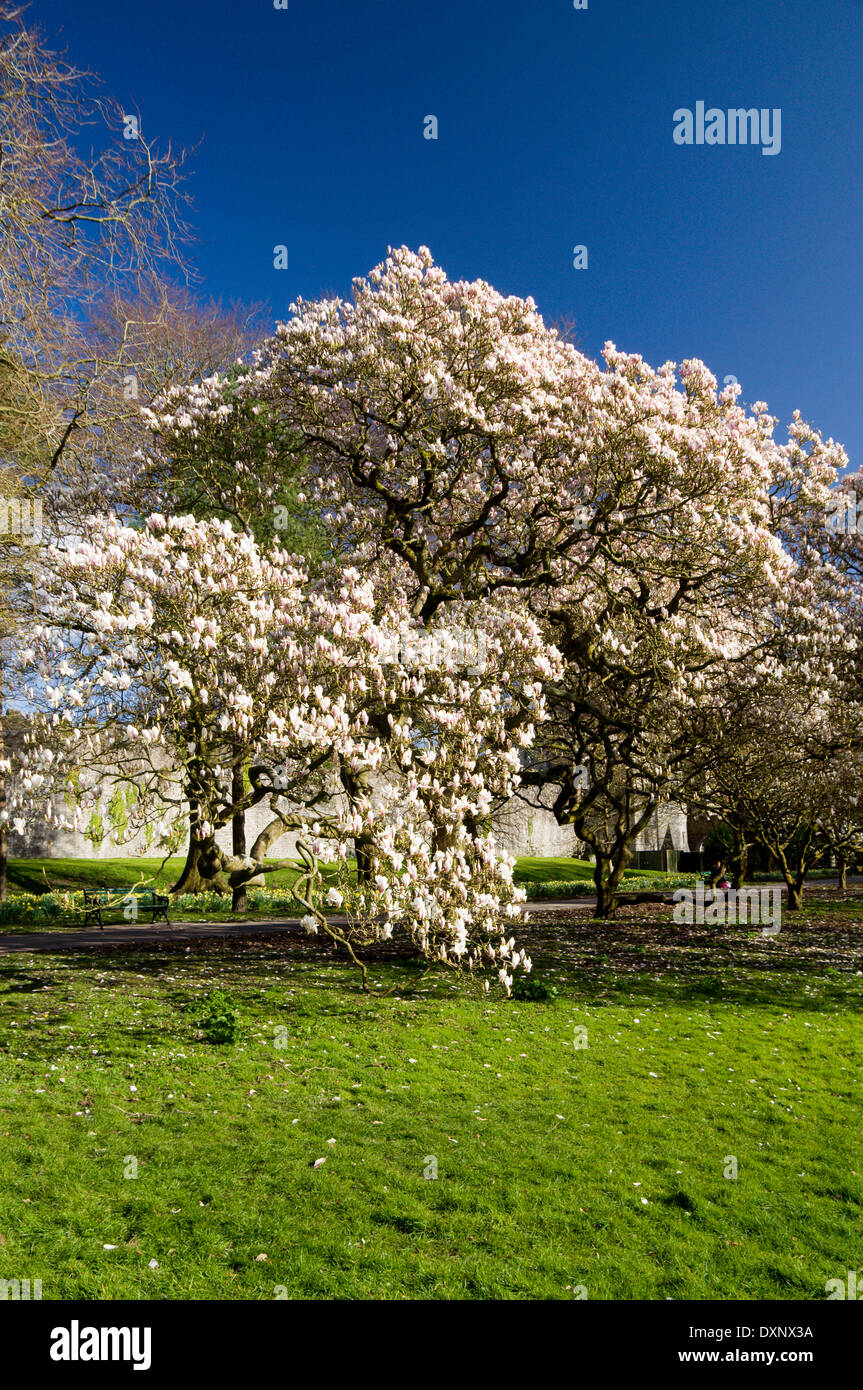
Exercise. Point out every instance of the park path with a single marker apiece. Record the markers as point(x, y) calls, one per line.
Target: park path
point(72, 940)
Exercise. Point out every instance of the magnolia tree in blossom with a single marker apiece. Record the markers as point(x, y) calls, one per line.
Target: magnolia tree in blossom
point(784, 740)
point(170, 657)
point(450, 436)
point(840, 824)
point(646, 522)
point(440, 423)
point(780, 736)
point(776, 789)
point(672, 583)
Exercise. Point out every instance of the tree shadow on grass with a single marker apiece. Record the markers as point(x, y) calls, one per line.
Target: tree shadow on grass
point(814, 963)
point(640, 954)
point(252, 970)
point(27, 984)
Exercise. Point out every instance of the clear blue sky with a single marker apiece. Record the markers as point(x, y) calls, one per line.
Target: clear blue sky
point(555, 129)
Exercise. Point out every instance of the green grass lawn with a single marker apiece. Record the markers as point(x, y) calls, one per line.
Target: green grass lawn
point(35, 875)
point(60, 875)
point(558, 1165)
point(541, 870)
point(38, 888)
point(40, 875)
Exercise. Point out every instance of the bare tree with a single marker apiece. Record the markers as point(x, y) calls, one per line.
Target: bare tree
point(80, 223)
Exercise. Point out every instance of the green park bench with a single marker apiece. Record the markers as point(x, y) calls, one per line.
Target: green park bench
point(98, 901)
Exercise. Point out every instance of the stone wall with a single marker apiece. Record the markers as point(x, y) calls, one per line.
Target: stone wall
point(528, 827)
point(522, 827)
point(667, 828)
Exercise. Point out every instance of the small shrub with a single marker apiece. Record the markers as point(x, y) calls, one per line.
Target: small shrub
point(217, 1018)
point(530, 987)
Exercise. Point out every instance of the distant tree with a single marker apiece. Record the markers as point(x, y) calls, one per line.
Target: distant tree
point(76, 226)
point(71, 225)
point(781, 743)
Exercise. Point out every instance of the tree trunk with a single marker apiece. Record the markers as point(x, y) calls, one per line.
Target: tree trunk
point(355, 784)
point(607, 873)
point(843, 873)
point(239, 901)
point(363, 855)
point(200, 873)
point(739, 860)
point(795, 873)
point(795, 879)
point(606, 900)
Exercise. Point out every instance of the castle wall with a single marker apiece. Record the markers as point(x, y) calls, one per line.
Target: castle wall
point(521, 829)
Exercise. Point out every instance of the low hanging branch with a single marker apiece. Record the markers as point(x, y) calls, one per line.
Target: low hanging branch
point(304, 891)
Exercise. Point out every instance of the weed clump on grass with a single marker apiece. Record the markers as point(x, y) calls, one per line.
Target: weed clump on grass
point(530, 987)
point(217, 1017)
